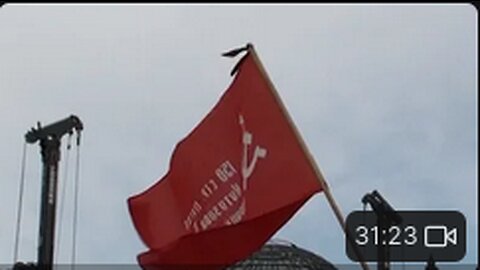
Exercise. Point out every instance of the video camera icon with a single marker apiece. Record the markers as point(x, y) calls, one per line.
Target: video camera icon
point(438, 236)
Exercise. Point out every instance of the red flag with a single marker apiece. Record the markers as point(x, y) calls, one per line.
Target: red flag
point(232, 183)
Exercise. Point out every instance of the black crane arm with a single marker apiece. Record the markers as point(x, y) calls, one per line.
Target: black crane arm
point(57, 129)
point(381, 207)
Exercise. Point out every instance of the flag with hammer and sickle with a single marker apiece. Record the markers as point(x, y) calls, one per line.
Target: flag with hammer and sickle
point(232, 183)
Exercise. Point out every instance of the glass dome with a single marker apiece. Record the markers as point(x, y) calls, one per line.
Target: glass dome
point(280, 255)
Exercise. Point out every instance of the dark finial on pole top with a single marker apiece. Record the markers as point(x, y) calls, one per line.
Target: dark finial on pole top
point(234, 52)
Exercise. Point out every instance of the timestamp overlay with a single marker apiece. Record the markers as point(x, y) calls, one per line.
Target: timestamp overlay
point(417, 237)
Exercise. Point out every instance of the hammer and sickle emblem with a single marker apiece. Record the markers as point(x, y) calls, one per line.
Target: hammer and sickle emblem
point(259, 152)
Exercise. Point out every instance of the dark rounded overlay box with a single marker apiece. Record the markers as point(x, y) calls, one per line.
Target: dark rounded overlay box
point(415, 236)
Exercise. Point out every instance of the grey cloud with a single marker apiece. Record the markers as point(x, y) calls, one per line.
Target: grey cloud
point(385, 97)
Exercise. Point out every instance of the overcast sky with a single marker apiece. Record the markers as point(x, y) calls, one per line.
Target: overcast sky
point(384, 96)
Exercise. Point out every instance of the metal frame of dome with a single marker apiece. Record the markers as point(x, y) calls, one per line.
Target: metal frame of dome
point(283, 257)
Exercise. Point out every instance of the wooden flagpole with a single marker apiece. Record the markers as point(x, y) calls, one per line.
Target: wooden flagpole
point(323, 183)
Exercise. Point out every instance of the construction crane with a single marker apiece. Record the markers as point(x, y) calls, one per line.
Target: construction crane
point(49, 138)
